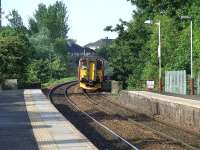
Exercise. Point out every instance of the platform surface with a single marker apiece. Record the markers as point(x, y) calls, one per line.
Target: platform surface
point(51, 130)
point(184, 100)
point(15, 128)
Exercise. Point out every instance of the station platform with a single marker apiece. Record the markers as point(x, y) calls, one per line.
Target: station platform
point(53, 131)
point(28, 121)
point(15, 128)
point(186, 100)
point(180, 111)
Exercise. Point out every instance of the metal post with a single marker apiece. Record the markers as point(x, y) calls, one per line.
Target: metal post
point(159, 57)
point(159, 53)
point(191, 57)
point(191, 49)
point(51, 75)
point(0, 15)
point(191, 60)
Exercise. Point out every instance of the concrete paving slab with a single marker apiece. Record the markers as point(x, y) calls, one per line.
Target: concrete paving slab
point(168, 98)
point(56, 132)
point(15, 128)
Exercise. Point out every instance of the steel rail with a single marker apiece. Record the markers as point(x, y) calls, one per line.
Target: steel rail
point(97, 122)
point(189, 147)
point(70, 84)
point(58, 86)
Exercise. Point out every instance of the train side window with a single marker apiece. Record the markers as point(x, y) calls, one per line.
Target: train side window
point(84, 64)
point(99, 65)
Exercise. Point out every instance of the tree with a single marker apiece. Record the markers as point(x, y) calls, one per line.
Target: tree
point(33, 26)
point(103, 52)
point(61, 47)
point(15, 20)
point(133, 54)
point(169, 42)
point(162, 7)
point(54, 18)
point(125, 51)
point(36, 54)
point(14, 52)
point(38, 71)
point(48, 37)
point(57, 22)
point(41, 15)
point(42, 44)
point(42, 71)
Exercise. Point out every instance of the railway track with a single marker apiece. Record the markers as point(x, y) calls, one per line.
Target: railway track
point(189, 140)
point(108, 125)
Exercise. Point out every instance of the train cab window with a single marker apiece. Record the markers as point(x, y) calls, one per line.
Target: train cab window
point(84, 64)
point(99, 65)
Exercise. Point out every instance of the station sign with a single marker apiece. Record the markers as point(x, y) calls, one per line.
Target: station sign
point(150, 84)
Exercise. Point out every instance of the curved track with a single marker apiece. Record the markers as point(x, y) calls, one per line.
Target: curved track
point(106, 124)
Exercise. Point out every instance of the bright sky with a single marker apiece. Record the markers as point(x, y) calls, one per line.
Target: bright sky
point(87, 18)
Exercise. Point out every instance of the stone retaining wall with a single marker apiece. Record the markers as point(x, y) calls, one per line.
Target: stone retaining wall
point(10, 84)
point(178, 115)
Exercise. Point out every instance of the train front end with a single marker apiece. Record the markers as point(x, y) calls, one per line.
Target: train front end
point(91, 73)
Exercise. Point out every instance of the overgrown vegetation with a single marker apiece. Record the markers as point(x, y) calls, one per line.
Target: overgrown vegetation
point(37, 53)
point(53, 83)
point(133, 55)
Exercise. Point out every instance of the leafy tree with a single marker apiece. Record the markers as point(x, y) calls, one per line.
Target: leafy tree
point(57, 22)
point(36, 55)
point(120, 28)
point(59, 69)
point(61, 47)
point(133, 55)
point(38, 71)
point(54, 18)
point(48, 37)
point(103, 52)
point(194, 12)
point(168, 44)
point(125, 51)
point(14, 52)
point(16, 22)
point(33, 26)
point(41, 15)
point(44, 71)
point(15, 19)
point(42, 45)
point(162, 7)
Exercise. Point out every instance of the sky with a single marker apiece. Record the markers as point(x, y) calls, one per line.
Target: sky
point(87, 18)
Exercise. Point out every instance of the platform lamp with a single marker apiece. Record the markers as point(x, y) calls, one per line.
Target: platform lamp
point(191, 53)
point(159, 52)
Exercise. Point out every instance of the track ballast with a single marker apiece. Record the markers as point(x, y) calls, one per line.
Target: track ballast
point(108, 125)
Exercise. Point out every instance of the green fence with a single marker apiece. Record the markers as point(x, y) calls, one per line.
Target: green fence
point(175, 82)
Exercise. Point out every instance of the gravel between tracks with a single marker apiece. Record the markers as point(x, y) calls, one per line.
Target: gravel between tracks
point(117, 119)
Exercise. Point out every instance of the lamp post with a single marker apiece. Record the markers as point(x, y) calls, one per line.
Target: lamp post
point(191, 53)
point(159, 52)
point(0, 15)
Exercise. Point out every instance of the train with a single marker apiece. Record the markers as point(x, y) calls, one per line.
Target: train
point(91, 73)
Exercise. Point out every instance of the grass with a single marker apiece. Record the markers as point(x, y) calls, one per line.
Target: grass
point(53, 83)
